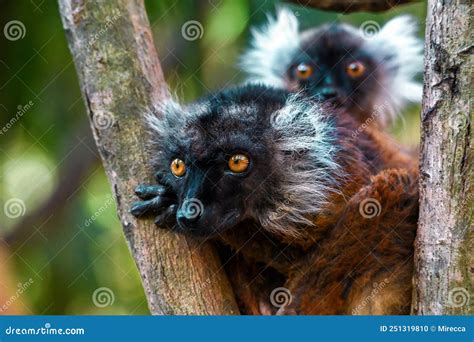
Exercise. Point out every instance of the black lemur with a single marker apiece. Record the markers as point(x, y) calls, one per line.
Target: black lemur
point(369, 71)
point(300, 202)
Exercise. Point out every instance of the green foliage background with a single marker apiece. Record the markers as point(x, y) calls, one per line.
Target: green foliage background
point(67, 253)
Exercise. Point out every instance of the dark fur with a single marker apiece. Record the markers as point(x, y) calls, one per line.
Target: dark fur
point(331, 264)
point(391, 55)
point(330, 49)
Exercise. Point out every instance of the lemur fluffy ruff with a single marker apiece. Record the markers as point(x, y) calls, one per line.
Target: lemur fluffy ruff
point(292, 197)
point(370, 74)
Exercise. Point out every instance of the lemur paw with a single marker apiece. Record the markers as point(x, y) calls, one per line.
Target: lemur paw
point(154, 200)
point(158, 201)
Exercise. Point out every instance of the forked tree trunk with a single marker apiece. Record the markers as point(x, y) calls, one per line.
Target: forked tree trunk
point(444, 261)
point(121, 80)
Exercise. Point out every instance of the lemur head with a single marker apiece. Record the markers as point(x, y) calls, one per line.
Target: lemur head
point(367, 75)
point(249, 153)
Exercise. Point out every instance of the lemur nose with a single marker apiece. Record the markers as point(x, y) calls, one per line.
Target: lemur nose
point(328, 93)
point(189, 212)
point(183, 221)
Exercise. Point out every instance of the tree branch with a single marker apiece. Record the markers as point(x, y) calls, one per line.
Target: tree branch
point(121, 80)
point(445, 241)
point(349, 6)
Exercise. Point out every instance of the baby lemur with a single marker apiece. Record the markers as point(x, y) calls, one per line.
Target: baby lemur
point(369, 73)
point(297, 200)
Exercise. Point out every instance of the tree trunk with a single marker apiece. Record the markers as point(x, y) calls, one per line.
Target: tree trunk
point(444, 261)
point(121, 80)
point(349, 6)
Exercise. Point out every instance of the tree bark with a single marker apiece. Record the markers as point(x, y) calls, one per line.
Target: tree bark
point(121, 80)
point(349, 6)
point(444, 262)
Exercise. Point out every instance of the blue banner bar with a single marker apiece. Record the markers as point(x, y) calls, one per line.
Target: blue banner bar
point(237, 328)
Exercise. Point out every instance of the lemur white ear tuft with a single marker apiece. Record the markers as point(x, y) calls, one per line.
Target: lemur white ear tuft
point(166, 115)
point(401, 52)
point(272, 49)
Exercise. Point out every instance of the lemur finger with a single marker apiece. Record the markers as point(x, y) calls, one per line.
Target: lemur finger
point(160, 177)
point(153, 206)
point(147, 192)
point(167, 218)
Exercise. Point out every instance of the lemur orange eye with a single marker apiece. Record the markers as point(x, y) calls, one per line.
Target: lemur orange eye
point(303, 71)
point(238, 163)
point(355, 69)
point(178, 168)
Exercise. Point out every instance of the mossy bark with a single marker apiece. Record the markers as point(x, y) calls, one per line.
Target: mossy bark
point(121, 80)
point(444, 261)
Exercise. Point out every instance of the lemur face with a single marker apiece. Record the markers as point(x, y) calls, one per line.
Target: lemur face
point(331, 64)
point(244, 154)
point(360, 72)
point(215, 163)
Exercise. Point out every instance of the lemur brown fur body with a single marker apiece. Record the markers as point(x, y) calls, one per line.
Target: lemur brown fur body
point(345, 263)
point(329, 271)
point(340, 261)
point(345, 260)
